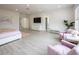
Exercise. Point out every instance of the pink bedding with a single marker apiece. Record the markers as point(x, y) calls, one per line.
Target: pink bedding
point(7, 32)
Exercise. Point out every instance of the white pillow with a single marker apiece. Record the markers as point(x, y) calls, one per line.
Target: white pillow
point(69, 30)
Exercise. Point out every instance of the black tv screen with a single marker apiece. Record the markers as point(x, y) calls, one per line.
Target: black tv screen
point(37, 20)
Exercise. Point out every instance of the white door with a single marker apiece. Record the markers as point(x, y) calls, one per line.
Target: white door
point(25, 23)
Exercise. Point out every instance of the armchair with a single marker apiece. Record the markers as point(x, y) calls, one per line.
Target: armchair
point(60, 49)
point(68, 36)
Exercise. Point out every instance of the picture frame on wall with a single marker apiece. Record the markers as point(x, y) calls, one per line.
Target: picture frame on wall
point(5, 20)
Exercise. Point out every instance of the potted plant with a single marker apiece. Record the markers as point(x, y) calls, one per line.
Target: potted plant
point(68, 25)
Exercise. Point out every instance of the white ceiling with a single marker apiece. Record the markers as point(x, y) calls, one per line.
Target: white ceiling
point(34, 8)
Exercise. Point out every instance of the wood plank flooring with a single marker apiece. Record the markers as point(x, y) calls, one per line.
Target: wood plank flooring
point(33, 44)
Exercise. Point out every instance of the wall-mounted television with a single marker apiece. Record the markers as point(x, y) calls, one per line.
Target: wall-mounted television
point(37, 20)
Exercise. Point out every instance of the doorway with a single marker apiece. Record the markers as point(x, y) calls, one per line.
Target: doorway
point(23, 24)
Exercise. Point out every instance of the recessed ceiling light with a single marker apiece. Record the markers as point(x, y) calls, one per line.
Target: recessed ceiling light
point(27, 5)
point(40, 10)
point(59, 6)
point(16, 9)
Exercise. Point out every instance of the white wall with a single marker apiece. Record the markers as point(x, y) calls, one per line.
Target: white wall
point(55, 18)
point(13, 16)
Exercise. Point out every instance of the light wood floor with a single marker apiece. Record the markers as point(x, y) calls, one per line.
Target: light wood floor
point(33, 44)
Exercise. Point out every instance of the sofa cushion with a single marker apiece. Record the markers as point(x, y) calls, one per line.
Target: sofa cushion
point(59, 49)
point(74, 51)
point(52, 51)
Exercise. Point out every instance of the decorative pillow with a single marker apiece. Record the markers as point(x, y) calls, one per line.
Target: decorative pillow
point(72, 31)
point(62, 35)
point(69, 30)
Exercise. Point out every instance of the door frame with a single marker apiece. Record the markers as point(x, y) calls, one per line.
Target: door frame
point(46, 24)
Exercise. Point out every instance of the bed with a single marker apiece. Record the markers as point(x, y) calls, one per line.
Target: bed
point(8, 35)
